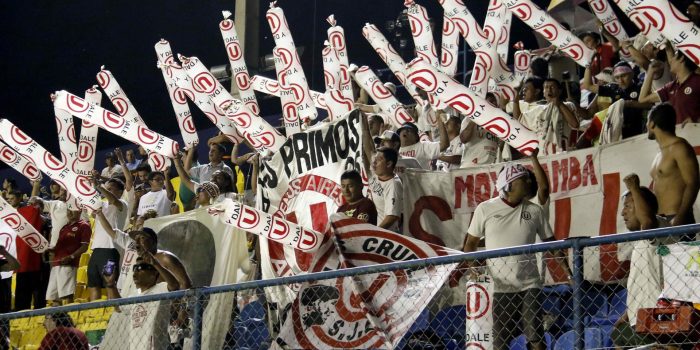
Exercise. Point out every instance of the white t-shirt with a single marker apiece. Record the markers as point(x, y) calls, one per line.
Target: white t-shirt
point(157, 201)
point(109, 173)
point(504, 226)
point(481, 148)
point(551, 128)
point(149, 321)
point(58, 212)
point(528, 120)
point(423, 151)
point(387, 197)
point(130, 198)
point(115, 217)
point(454, 148)
point(125, 283)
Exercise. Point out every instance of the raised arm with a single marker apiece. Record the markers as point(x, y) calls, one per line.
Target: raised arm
point(176, 268)
point(129, 183)
point(36, 188)
point(645, 93)
point(100, 216)
point(642, 210)
point(182, 173)
point(588, 83)
point(169, 190)
point(516, 103)
point(165, 274)
point(189, 158)
point(540, 177)
point(367, 145)
point(638, 57)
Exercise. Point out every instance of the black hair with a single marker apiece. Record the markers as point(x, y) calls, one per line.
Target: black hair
point(390, 155)
point(229, 182)
point(648, 197)
point(664, 117)
point(62, 319)
point(218, 146)
point(119, 183)
point(149, 233)
point(622, 64)
point(13, 183)
point(539, 67)
point(687, 62)
point(353, 175)
point(592, 34)
point(534, 187)
point(144, 166)
point(555, 81)
point(153, 174)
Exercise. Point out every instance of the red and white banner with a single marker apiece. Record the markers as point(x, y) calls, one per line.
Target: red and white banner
point(301, 183)
point(586, 188)
point(116, 124)
point(261, 135)
point(368, 311)
point(272, 87)
point(479, 305)
point(672, 23)
point(292, 65)
point(119, 99)
point(497, 27)
point(392, 58)
point(422, 34)
point(178, 96)
point(266, 225)
point(16, 161)
point(289, 98)
point(338, 104)
point(77, 185)
point(239, 71)
point(521, 64)
point(459, 97)
point(504, 41)
point(24, 229)
point(391, 109)
point(606, 15)
point(331, 67)
point(336, 38)
point(449, 52)
point(550, 29)
point(87, 145)
point(644, 23)
point(66, 138)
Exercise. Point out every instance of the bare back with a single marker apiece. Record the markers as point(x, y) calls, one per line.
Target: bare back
point(666, 171)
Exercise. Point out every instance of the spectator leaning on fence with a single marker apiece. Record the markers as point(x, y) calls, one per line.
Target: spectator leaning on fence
point(644, 281)
point(506, 221)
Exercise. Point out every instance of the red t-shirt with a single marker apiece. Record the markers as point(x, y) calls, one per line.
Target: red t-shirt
point(71, 237)
point(29, 260)
point(64, 338)
point(364, 210)
point(602, 59)
point(685, 98)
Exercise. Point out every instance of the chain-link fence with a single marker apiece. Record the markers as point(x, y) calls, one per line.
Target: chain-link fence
point(617, 291)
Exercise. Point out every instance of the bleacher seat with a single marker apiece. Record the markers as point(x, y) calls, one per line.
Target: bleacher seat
point(421, 323)
point(593, 339)
point(253, 310)
point(451, 323)
point(520, 343)
point(81, 277)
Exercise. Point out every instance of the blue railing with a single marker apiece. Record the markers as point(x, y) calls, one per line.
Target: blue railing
point(577, 244)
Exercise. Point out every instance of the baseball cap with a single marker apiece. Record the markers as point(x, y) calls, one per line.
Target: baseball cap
point(148, 232)
point(387, 135)
point(408, 125)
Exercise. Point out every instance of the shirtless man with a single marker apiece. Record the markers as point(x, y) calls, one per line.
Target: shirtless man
point(674, 170)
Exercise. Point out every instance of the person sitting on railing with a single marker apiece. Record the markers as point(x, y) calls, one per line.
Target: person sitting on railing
point(643, 284)
point(506, 221)
point(62, 334)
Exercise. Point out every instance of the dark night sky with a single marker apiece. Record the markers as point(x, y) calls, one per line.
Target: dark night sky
point(53, 45)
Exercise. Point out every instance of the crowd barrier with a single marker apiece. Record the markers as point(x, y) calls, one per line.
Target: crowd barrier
point(578, 315)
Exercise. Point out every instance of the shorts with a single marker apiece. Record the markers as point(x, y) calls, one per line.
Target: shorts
point(98, 260)
point(61, 282)
point(511, 309)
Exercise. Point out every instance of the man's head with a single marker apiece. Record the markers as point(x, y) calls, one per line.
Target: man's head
point(14, 198)
point(72, 215)
point(145, 274)
point(157, 181)
point(591, 39)
point(661, 119)
point(513, 183)
point(224, 181)
point(146, 241)
point(408, 133)
point(388, 139)
point(130, 156)
point(216, 153)
point(629, 215)
point(109, 159)
point(532, 89)
point(693, 12)
point(552, 89)
point(539, 67)
point(54, 187)
point(623, 74)
point(351, 186)
point(206, 193)
point(453, 125)
point(681, 64)
point(115, 186)
point(649, 50)
point(376, 124)
point(384, 161)
point(142, 172)
point(58, 319)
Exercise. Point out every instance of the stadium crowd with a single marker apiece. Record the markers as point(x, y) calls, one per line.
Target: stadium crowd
point(652, 93)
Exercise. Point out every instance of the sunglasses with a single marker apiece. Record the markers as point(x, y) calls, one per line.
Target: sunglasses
point(139, 267)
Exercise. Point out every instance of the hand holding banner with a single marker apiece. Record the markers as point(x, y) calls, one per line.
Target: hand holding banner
point(392, 109)
point(24, 229)
point(149, 139)
point(474, 107)
point(266, 225)
point(643, 23)
point(77, 185)
point(239, 71)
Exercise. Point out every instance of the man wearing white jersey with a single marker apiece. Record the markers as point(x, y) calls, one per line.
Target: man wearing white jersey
point(159, 198)
point(452, 156)
point(506, 221)
point(424, 151)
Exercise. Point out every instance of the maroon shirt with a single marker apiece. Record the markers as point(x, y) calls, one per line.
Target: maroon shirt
point(64, 338)
point(71, 237)
point(685, 98)
point(364, 210)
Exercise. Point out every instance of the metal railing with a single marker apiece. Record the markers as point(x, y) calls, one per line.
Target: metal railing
point(201, 295)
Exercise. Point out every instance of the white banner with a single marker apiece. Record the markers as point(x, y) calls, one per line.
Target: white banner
point(24, 229)
point(643, 23)
point(606, 15)
point(422, 33)
point(272, 87)
point(336, 38)
point(261, 135)
point(338, 104)
point(178, 96)
point(239, 71)
point(479, 305)
point(289, 98)
point(551, 30)
point(116, 124)
point(391, 109)
point(449, 52)
point(459, 97)
point(23, 165)
point(586, 182)
point(327, 315)
point(681, 271)
point(77, 185)
point(288, 51)
point(87, 145)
